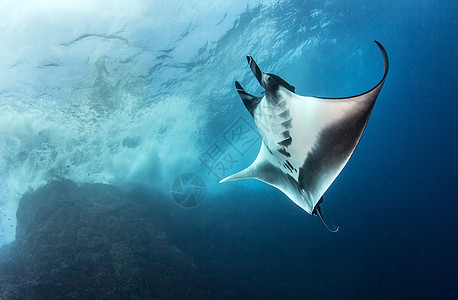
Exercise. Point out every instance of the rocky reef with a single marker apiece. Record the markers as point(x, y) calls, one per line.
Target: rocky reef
point(91, 241)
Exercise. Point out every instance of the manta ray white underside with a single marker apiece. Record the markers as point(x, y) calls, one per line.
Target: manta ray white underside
point(306, 141)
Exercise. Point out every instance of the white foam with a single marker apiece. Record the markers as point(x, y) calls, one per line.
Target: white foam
point(86, 95)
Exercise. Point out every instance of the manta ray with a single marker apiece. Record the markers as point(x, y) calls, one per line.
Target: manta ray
point(306, 141)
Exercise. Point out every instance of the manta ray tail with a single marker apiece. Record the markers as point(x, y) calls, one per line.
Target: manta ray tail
point(335, 229)
point(317, 211)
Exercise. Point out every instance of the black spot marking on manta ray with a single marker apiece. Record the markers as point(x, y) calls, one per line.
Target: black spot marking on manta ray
point(290, 166)
point(284, 152)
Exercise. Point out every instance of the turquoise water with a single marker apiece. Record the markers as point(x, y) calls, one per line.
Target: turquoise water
point(136, 93)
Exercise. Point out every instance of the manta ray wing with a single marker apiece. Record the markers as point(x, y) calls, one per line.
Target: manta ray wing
point(306, 141)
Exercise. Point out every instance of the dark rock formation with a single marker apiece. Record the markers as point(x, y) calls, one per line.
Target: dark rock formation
point(91, 242)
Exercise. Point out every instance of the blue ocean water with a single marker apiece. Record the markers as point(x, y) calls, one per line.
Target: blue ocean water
point(136, 93)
